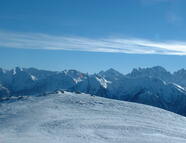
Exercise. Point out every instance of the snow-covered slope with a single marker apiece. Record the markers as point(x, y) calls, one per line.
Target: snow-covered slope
point(145, 89)
point(151, 91)
point(81, 118)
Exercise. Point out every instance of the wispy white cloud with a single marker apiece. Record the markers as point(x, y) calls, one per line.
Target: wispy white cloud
point(114, 44)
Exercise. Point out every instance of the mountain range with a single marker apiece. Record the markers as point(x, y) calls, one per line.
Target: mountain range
point(152, 86)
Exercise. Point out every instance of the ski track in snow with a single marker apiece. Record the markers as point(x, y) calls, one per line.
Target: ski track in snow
point(81, 118)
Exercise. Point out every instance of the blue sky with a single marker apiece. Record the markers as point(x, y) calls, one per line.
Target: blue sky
point(93, 35)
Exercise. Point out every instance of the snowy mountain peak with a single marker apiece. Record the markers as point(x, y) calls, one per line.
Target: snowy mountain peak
point(159, 69)
point(17, 70)
point(111, 74)
point(103, 82)
point(77, 76)
point(154, 69)
point(180, 72)
point(157, 72)
point(112, 71)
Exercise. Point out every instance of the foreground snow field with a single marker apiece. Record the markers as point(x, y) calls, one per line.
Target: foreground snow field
point(81, 118)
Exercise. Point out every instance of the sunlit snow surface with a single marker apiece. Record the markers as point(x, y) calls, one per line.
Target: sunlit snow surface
point(81, 118)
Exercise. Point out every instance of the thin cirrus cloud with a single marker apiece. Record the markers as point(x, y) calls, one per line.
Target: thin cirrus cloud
point(114, 45)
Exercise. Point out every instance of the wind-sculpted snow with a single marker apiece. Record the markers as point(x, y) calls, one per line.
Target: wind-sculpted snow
point(81, 118)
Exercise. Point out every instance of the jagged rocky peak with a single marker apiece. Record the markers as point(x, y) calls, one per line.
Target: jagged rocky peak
point(17, 70)
point(180, 77)
point(32, 70)
point(111, 74)
point(152, 69)
point(157, 71)
point(77, 76)
point(113, 71)
point(180, 72)
point(158, 68)
point(72, 72)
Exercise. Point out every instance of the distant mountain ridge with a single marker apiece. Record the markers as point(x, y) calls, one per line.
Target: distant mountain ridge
point(153, 86)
